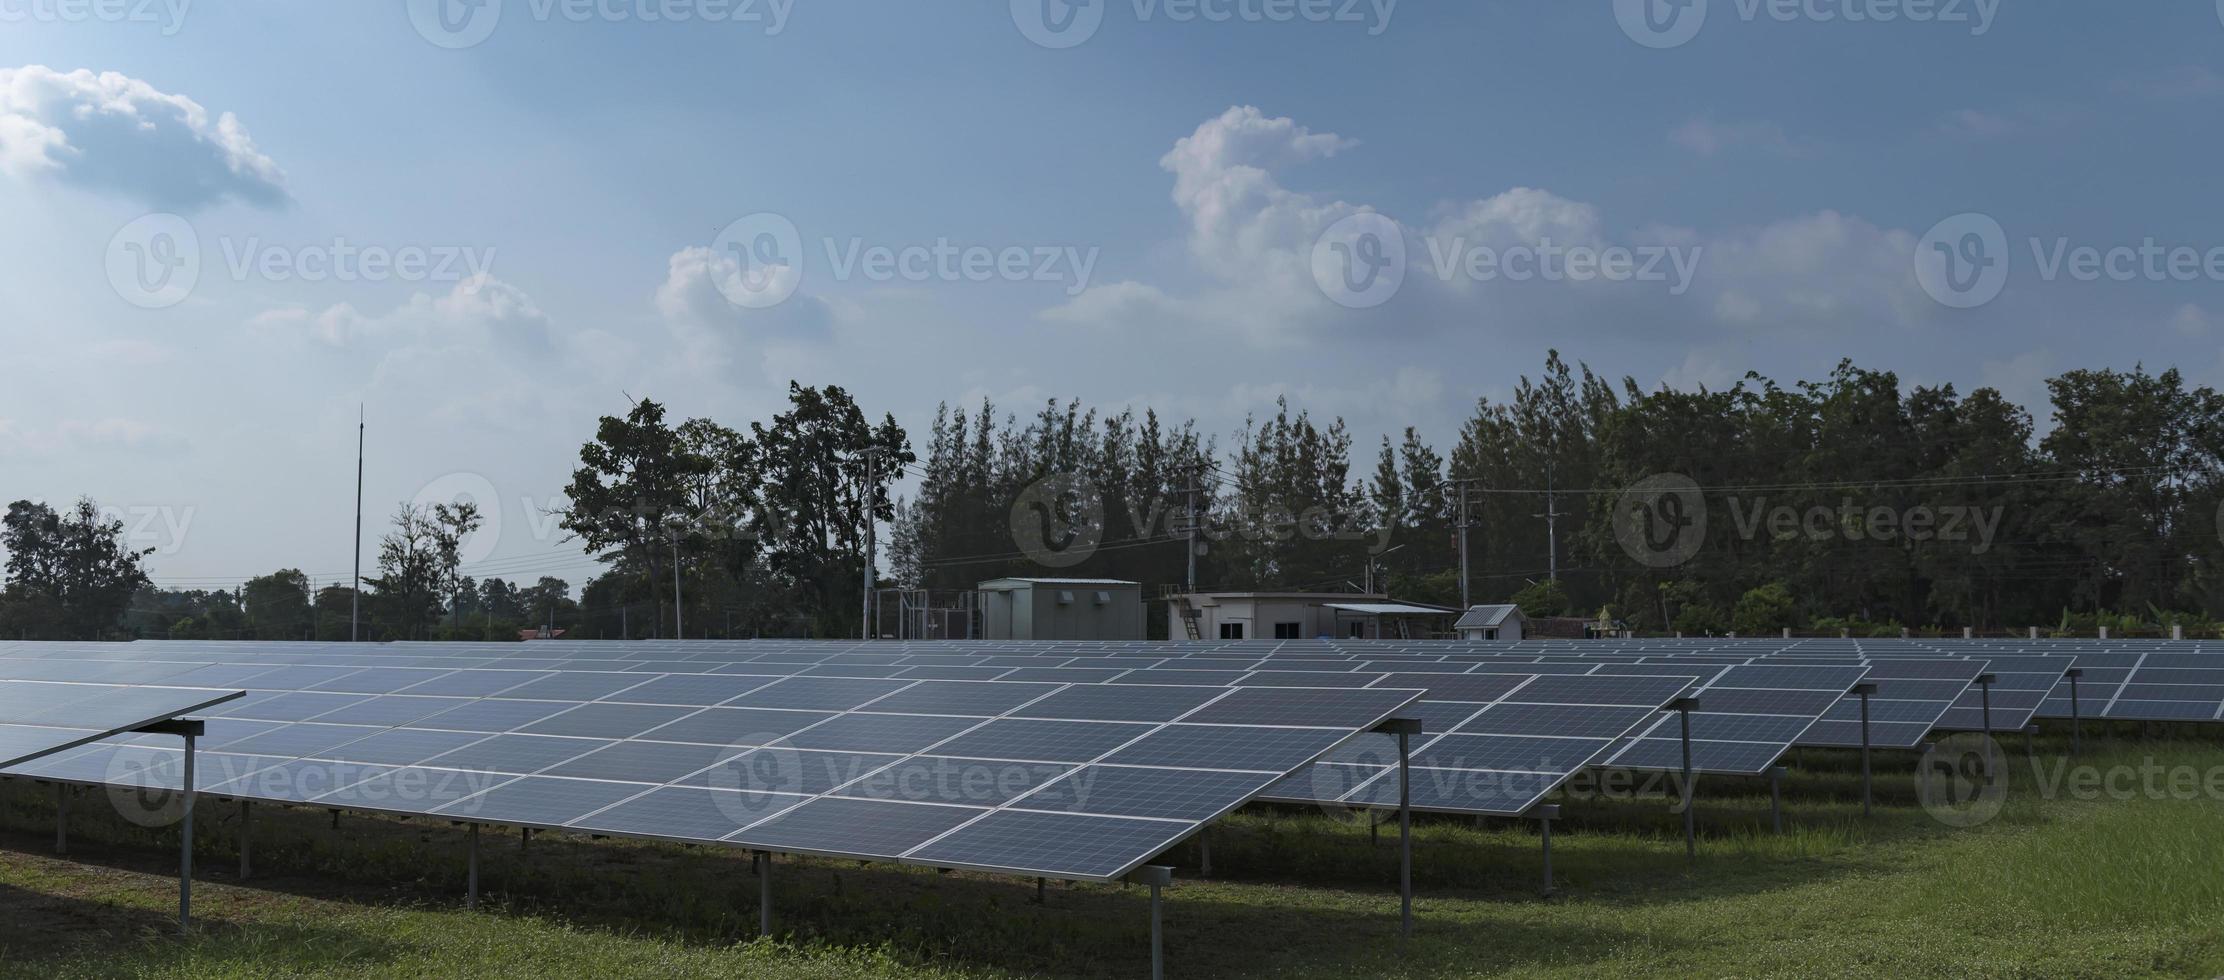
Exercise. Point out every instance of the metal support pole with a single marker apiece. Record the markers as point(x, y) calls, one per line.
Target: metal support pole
point(1683, 708)
point(764, 894)
point(1156, 877)
point(1867, 793)
point(185, 845)
point(1041, 898)
point(524, 839)
point(1204, 854)
point(2029, 751)
point(2076, 722)
point(246, 839)
point(61, 819)
point(471, 896)
point(1984, 691)
point(1776, 799)
point(1545, 815)
point(1405, 834)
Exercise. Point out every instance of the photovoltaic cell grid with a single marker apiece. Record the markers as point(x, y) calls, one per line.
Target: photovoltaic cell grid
point(1911, 696)
point(1506, 742)
point(41, 718)
point(1015, 777)
point(1748, 717)
point(2019, 687)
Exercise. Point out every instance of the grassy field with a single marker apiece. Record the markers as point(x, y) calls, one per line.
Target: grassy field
point(2049, 887)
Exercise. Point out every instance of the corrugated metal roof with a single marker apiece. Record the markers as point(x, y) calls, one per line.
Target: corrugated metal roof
point(1065, 581)
point(1387, 609)
point(1486, 617)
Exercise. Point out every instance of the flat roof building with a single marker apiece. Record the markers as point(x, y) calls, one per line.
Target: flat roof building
point(1301, 616)
point(1061, 609)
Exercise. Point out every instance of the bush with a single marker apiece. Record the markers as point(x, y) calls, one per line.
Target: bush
point(1765, 610)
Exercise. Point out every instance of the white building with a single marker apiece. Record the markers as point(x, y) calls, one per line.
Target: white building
point(1491, 623)
point(1061, 609)
point(1300, 616)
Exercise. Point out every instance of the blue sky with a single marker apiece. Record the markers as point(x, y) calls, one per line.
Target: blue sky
point(1196, 171)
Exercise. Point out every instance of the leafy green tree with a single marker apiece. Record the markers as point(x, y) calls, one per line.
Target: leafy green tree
point(1765, 610)
point(69, 573)
point(277, 605)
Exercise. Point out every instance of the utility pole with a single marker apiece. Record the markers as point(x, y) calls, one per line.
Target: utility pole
point(679, 601)
point(1551, 517)
point(1189, 523)
point(1463, 544)
point(355, 597)
point(865, 622)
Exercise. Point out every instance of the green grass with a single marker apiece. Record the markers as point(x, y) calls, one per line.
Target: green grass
point(2049, 887)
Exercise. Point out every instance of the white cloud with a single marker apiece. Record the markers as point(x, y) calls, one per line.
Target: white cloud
point(115, 134)
point(2192, 322)
point(1252, 238)
point(77, 436)
point(1707, 138)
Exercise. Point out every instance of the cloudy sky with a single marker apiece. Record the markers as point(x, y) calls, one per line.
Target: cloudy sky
point(228, 225)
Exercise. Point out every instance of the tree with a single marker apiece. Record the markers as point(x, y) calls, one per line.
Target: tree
point(418, 562)
point(277, 605)
point(633, 495)
point(1541, 600)
point(69, 574)
point(1765, 610)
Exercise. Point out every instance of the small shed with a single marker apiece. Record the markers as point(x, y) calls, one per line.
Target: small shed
point(1061, 609)
point(1499, 622)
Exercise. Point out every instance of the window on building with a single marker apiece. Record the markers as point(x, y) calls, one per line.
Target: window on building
point(1231, 631)
point(1289, 631)
point(1359, 631)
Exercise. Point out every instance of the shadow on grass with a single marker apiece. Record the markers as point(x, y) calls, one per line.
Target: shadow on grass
point(708, 897)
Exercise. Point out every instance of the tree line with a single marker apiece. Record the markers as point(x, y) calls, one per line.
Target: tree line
point(1851, 502)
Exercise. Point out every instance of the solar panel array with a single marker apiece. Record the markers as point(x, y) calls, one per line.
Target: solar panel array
point(1911, 696)
point(1493, 744)
point(41, 718)
point(783, 752)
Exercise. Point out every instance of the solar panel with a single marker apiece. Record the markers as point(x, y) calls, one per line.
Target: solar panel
point(1911, 696)
point(759, 749)
point(1498, 758)
point(1743, 741)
